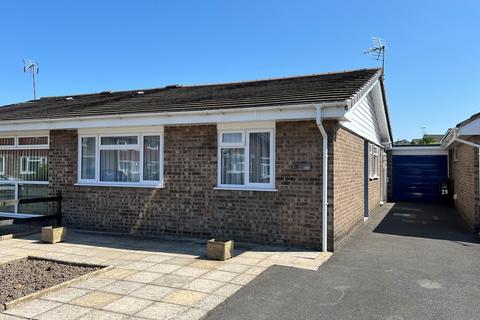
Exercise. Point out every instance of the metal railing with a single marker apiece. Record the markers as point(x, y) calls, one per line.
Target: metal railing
point(19, 217)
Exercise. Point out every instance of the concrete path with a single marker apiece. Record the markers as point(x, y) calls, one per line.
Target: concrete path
point(410, 261)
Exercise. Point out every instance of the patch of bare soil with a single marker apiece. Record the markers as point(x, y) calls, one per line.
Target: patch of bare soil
point(24, 276)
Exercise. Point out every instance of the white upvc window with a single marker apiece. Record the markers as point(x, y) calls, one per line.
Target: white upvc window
point(373, 159)
point(32, 164)
point(121, 159)
point(246, 159)
point(36, 140)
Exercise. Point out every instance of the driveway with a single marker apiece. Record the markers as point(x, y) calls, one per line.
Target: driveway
point(410, 261)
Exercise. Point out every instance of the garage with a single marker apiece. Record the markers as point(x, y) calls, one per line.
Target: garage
point(416, 173)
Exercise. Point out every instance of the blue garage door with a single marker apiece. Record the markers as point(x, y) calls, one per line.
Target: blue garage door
point(416, 178)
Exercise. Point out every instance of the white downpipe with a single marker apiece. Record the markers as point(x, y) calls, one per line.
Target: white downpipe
point(325, 178)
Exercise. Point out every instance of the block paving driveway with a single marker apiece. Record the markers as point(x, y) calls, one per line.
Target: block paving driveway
point(162, 278)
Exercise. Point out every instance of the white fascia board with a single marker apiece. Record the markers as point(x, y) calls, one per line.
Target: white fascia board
point(277, 113)
point(123, 130)
point(381, 115)
point(33, 133)
point(246, 125)
point(419, 151)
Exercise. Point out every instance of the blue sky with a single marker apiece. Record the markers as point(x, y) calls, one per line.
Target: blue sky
point(432, 65)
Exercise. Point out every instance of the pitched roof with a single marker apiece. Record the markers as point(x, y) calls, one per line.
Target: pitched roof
point(318, 88)
point(467, 121)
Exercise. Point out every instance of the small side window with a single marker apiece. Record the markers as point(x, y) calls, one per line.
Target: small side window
point(455, 154)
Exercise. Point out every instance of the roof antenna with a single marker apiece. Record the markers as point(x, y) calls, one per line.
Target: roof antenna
point(31, 67)
point(424, 130)
point(377, 52)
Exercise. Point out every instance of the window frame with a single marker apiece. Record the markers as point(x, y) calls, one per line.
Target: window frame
point(28, 171)
point(32, 146)
point(373, 161)
point(18, 146)
point(139, 146)
point(247, 185)
point(3, 166)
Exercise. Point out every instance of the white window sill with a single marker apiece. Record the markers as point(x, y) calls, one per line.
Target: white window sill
point(246, 189)
point(373, 178)
point(151, 186)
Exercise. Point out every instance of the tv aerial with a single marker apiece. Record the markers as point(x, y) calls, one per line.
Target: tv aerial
point(377, 52)
point(31, 67)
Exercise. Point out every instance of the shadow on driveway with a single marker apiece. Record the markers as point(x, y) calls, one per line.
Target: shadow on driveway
point(425, 221)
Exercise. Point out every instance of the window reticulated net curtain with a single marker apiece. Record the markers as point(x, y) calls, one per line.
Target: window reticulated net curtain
point(88, 158)
point(120, 165)
point(17, 169)
point(151, 158)
point(24, 165)
point(233, 168)
point(259, 157)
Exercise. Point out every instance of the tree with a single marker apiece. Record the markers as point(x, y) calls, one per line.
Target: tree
point(427, 140)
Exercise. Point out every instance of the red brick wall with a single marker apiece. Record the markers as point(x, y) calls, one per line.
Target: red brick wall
point(464, 173)
point(348, 183)
point(188, 204)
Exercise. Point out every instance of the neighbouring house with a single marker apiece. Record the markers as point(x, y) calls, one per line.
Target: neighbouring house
point(463, 143)
point(246, 161)
point(428, 139)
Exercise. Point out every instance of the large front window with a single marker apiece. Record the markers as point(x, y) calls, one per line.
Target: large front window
point(121, 159)
point(23, 173)
point(246, 158)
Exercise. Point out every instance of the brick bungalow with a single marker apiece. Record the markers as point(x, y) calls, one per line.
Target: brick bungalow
point(463, 143)
point(238, 160)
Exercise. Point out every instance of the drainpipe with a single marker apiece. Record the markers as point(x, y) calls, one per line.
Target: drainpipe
point(324, 177)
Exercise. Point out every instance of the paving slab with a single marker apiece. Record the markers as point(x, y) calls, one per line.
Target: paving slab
point(127, 305)
point(96, 299)
point(192, 314)
point(220, 275)
point(66, 295)
point(162, 311)
point(163, 268)
point(204, 285)
point(122, 287)
point(171, 272)
point(144, 277)
point(64, 312)
point(118, 273)
point(228, 290)
point(190, 271)
point(173, 280)
point(33, 308)
point(93, 284)
point(103, 315)
point(152, 292)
